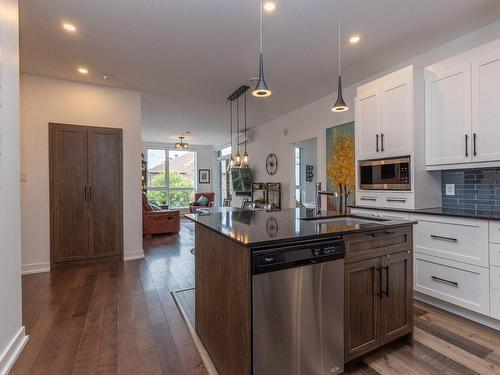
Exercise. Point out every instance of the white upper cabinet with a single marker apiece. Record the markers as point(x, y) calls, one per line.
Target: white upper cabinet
point(396, 118)
point(368, 125)
point(486, 109)
point(462, 114)
point(448, 116)
point(384, 117)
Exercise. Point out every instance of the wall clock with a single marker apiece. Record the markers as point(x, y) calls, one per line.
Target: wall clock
point(271, 164)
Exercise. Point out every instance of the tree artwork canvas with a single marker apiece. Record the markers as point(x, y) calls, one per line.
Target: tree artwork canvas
point(340, 165)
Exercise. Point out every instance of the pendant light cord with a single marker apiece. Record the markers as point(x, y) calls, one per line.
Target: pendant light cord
point(338, 25)
point(245, 101)
point(238, 125)
point(260, 25)
point(231, 124)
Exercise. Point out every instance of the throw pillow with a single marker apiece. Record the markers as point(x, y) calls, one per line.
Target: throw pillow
point(202, 201)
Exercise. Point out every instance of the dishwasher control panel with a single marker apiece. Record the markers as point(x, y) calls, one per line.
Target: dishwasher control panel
point(292, 256)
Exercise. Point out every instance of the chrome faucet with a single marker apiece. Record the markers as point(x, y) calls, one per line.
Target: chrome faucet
point(318, 195)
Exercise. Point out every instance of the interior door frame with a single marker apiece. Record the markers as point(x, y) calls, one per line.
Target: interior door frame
point(53, 127)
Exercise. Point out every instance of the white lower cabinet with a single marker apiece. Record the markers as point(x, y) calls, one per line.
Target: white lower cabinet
point(495, 231)
point(461, 284)
point(495, 303)
point(495, 277)
point(495, 254)
point(457, 239)
point(397, 200)
point(369, 199)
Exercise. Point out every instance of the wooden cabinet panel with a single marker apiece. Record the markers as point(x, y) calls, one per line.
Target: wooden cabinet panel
point(396, 303)
point(86, 197)
point(105, 191)
point(362, 307)
point(68, 181)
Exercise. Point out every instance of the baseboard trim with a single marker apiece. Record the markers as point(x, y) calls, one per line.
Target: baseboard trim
point(133, 255)
point(28, 269)
point(12, 351)
point(457, 310)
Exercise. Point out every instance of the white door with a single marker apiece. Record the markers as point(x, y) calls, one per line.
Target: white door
point(368, 125)
point(486, 109)
point(448, 116)
point(396, 118)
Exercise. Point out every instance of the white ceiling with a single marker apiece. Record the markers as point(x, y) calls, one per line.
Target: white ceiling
point(188, 55)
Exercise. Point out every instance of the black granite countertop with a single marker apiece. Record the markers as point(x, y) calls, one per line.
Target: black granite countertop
point(473, 214)
point(257, 228)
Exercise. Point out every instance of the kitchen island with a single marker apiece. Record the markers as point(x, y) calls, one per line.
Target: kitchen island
point(269, 286)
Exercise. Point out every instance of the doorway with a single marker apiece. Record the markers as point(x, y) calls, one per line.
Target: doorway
point(305, 172)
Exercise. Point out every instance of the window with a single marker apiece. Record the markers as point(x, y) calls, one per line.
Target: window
point(224, 183)
point(171, 177)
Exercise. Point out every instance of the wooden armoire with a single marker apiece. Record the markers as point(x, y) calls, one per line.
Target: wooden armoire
point(86, 194)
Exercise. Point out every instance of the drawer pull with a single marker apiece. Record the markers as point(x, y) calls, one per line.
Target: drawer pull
point(386, 233)
point(368, 199)
point(441, 238)
point(435, 278)
point(400, 200)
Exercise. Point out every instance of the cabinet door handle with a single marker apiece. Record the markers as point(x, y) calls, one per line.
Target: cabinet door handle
point(85, 194)
point(386, 268)
point(382, 142)
point(438, 279)
point(441, 238)
point(401, 200)
point(376, 137)
point(380, 294)
point(474, 137)
point(368, 199)
point(466, 145)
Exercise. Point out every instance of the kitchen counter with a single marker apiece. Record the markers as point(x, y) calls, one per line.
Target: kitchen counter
point(256, 228)
point(473, 214)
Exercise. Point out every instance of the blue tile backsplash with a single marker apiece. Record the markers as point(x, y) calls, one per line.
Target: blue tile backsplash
point(475, 189)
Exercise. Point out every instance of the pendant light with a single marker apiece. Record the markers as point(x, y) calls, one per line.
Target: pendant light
point(245, 154)
point(231, 160)
point(339, 105)
point(237, 158)
point(261, 89)
point(181, 145)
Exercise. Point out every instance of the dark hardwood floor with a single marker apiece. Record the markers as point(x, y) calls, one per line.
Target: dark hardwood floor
point(121, 318)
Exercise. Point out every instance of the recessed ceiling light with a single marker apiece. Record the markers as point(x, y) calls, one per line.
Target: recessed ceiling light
point(269, 6)
point(83, 70)
point(354, 39)
point(69, 27)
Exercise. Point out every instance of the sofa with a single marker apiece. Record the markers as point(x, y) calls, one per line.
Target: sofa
point(194, 206)
point(158, 221)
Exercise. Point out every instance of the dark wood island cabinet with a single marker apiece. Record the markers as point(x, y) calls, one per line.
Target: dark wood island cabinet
point(377, 282)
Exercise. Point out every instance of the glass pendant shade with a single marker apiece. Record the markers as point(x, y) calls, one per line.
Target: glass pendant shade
point(237, 159)
point(261, 89)
point(340, 105)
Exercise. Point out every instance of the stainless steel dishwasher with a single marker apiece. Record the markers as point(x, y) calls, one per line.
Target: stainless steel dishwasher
point(297, 309)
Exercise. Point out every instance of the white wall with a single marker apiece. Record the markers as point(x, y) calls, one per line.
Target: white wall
point(204, 160)
point(12, 337)
point(45, 100)
point(313, 119)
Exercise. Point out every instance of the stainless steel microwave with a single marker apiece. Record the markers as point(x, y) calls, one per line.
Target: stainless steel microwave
point(385, 174)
